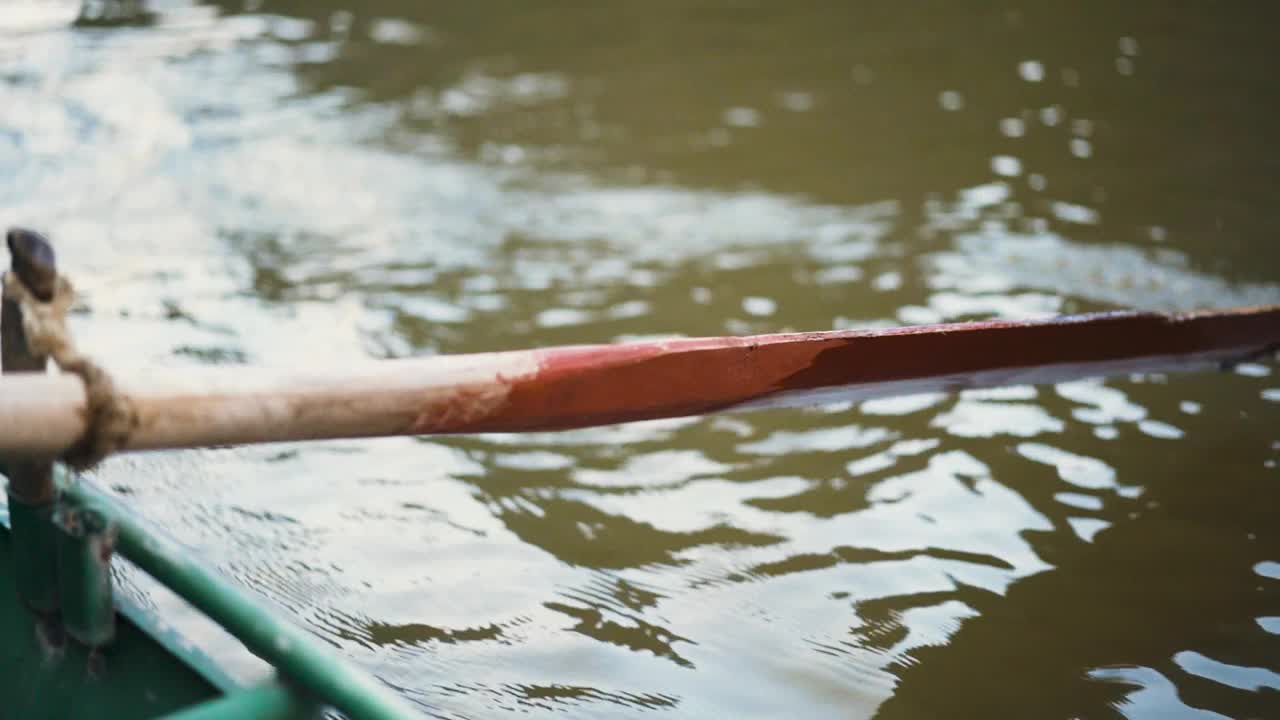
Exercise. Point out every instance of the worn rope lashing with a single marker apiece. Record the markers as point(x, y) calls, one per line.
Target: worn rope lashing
point(110, 417)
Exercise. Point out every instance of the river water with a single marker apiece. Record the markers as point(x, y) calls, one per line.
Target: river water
point(314, 182)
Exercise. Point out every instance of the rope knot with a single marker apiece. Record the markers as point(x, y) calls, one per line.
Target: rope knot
point(110, 416)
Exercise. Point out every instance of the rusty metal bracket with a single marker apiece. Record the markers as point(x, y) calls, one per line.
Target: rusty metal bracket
point(85, 543)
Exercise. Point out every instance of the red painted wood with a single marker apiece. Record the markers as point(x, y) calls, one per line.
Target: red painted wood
point(602, 384)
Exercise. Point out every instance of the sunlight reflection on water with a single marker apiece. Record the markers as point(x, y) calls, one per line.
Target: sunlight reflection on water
point(216, 204)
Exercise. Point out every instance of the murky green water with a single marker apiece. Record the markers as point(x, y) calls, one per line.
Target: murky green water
point(309, 182)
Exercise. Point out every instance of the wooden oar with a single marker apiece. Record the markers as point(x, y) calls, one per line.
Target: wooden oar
point(568, 387)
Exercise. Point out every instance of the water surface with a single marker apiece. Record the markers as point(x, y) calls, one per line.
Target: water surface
point(314, 182)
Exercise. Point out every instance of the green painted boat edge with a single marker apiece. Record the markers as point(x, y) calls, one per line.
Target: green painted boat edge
point(268, 701)
point(298, 655)
point(165, 635)
point(151, 623)
point(45, 675)
point(316, 676)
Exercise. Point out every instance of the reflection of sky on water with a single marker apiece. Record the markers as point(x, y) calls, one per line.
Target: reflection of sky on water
point(212, 208)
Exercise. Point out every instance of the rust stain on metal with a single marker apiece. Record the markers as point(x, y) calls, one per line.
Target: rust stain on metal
point(105, 544)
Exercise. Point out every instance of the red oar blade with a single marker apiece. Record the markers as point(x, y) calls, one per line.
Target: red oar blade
point(595, 385)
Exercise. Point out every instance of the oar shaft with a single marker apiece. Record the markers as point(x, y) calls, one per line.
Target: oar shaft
point(560, 388)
